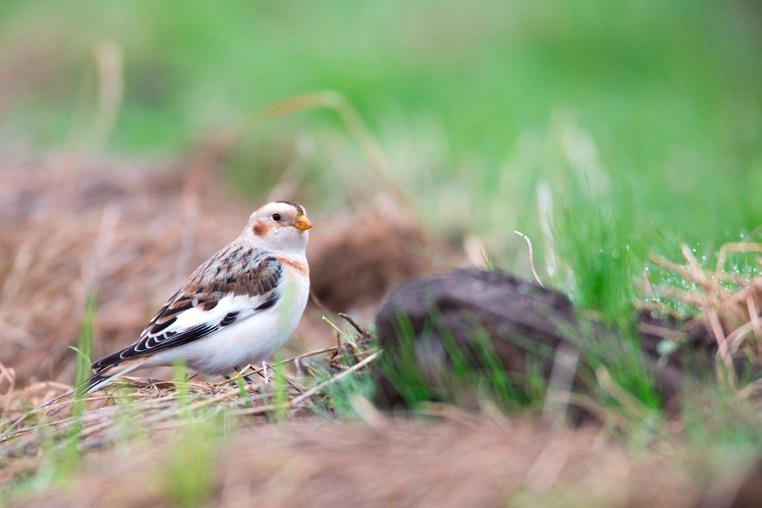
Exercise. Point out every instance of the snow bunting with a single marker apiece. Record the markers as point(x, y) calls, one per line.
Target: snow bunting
point(234, 309)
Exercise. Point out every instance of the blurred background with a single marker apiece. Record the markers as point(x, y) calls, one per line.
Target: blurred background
point(602, 130)
point(474, 102)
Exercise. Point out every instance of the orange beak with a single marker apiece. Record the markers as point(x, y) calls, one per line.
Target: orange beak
point(302, 223)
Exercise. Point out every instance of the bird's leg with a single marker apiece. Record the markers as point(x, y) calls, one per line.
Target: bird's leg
point(265, 373)
point(246, 377)
point(249, 381)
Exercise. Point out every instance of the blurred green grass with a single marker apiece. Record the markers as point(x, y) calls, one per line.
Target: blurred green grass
point(641, 114)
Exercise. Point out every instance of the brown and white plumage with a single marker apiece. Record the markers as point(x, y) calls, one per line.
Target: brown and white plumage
point(234, 309)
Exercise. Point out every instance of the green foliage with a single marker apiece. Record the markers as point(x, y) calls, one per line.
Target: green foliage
point(180, 372)
point(85, 343)
point(400, 366)
point(242, 391)
point(70, 449)
point(596, 245)
point(340, 395)
point(435, 367)
point(279, 387)
point(187, 473)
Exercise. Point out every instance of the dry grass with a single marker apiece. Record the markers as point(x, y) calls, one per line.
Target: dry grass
point(124, 233)
point(287, 390)
point(729, 304)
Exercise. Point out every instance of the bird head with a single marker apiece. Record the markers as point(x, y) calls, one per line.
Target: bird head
point(280, 226)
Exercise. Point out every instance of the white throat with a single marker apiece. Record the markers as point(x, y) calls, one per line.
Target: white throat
point(287, 241)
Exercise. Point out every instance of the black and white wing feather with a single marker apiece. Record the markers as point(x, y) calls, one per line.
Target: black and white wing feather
point(233, 285)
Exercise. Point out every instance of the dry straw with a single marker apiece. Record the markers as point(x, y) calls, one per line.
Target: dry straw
point(154, 404)
point(729, 303)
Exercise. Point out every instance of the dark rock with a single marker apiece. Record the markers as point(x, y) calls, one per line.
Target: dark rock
point(424, 322)
point(489, 325)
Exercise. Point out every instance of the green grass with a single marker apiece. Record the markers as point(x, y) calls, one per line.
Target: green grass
point(653, 103)
point(85, 344)
point(279, 386)
point(186, 473)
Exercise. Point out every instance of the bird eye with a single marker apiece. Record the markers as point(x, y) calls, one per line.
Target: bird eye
point(276, 216)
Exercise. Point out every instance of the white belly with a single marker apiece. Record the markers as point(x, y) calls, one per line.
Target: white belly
point(248, 341)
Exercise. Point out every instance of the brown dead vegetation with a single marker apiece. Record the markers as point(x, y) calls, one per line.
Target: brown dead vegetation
point(369, 253)
point(729, 305)
point(44, 411)
point(125, 234)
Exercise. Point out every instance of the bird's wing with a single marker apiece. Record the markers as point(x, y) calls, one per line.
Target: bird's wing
point(233, 285)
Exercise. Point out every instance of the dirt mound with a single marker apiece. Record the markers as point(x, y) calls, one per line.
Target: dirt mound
point(371, 252)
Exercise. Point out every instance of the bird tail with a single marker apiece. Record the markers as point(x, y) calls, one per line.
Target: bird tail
point(105, 377)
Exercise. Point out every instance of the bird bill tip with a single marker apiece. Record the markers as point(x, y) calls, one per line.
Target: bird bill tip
point(302, 223)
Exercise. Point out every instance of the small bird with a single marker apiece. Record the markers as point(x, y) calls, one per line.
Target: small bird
point(235, 309)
